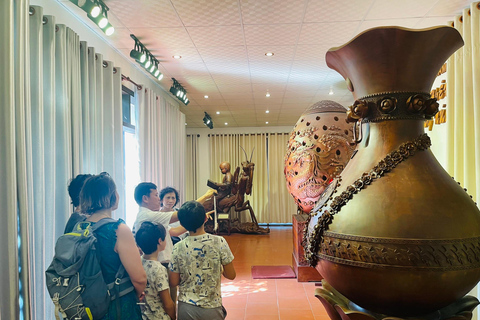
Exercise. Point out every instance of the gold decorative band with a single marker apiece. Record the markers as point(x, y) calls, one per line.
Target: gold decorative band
point(370, 252)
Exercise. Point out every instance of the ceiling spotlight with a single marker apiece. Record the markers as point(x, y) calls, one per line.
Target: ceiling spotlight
point(145, 58)
point(269, 54)
point(226, 123)
point(218, 112)
point(89, 7)
point(267, 111)
point(177, 90)
point(205, 96)
point(331, 91)
point(97, 12)
point(266, 122)
point(177, 57)
point(109, 30)
point(207, 120)
point(267, 95)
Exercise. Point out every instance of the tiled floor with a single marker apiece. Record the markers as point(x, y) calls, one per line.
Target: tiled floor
point(279, 299)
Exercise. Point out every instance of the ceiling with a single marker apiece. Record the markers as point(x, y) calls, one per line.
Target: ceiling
point(223, 44)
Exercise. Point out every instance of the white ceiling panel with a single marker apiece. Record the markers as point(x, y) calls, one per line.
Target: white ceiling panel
point(337, 10)
point(327, 33)
point(272, 11)
point(144, 13)
point(223, 45)
point(217, 36)
point(155, 38)
point(207, 12)
point(274, 34)
point(223, 54)
point(280, 53)
point(394, 9)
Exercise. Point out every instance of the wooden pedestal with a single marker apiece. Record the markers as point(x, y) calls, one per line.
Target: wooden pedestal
point(303, 271)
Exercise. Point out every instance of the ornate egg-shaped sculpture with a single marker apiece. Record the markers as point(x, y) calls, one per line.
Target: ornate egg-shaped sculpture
point(320, 146)
point(395, 234)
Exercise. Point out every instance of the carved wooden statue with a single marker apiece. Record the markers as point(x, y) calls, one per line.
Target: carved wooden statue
point(231, 193)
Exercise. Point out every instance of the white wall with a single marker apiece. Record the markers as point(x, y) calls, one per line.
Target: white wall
point(204, 154)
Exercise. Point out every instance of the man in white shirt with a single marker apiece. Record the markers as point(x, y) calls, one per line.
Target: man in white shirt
point(146, 195)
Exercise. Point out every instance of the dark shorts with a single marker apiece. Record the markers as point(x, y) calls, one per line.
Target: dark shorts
point(187, 311)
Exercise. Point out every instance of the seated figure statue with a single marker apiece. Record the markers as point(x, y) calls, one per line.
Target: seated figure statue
point(231, 193)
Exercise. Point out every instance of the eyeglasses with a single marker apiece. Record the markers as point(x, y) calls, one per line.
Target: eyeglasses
point(104, 173)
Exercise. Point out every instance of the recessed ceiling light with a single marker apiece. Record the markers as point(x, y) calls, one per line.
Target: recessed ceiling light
point(185, 123)
point(218, 112)
point(267, 111)
point(226, 123)
point(177, 57)
point(269, 54)
point(267, 95)
point(266, 122)
point(331, 91)
point(205, 96)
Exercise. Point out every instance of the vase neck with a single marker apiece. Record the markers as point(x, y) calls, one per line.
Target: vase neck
point(388, 135)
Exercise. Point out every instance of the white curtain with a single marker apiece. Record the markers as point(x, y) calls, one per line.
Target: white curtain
point(61, 115)
point(463, 111)
point(281, 206)
point(162, 141)
point(192, 167)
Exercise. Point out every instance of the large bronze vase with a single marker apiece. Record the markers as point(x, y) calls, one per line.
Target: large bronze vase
point(396, 234)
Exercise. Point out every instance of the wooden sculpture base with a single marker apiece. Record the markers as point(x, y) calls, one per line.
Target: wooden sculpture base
point(302, 268)
point(340, 308)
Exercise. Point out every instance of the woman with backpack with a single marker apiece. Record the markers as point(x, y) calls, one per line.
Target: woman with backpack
point(116, 245)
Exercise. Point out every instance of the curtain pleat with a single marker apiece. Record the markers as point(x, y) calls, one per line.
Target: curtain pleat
point(9, 277)
point(118, 160)
point(161, 136)
point(280, 205)
point(50, 221)
point(23, 154)
point(463, 98)
point(192, 167)
point(38, 166)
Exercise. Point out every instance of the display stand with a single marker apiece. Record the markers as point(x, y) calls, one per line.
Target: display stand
point(304, 272)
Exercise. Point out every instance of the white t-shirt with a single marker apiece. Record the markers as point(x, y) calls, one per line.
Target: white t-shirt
point(199, 261)
point(157, 217)
point(157, 281)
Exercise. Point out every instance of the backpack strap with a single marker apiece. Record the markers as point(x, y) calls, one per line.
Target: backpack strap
point(122, 284)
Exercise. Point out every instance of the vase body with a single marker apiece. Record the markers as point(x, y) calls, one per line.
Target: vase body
point(408, 243)
point(318, 150)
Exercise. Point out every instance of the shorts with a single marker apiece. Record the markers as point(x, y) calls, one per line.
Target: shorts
point(187, 311)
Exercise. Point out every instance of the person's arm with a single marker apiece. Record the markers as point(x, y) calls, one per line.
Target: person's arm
point(229, 271)
point(173, 278)
point(130, 258)
point(177, 231)
point(207, 195)
point(168, 303)
point(174, 217)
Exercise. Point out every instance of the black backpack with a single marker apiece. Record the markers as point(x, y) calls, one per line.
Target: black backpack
point(74, 278)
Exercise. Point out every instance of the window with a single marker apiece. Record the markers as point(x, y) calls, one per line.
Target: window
point(130, 154)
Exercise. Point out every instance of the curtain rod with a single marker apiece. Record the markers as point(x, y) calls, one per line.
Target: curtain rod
point(124, 77)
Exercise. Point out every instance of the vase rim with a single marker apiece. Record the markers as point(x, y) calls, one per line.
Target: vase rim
point(390, 59)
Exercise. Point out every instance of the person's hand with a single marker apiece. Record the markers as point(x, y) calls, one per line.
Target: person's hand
point(141, 297)
point(210, 193)
point(209, 215)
